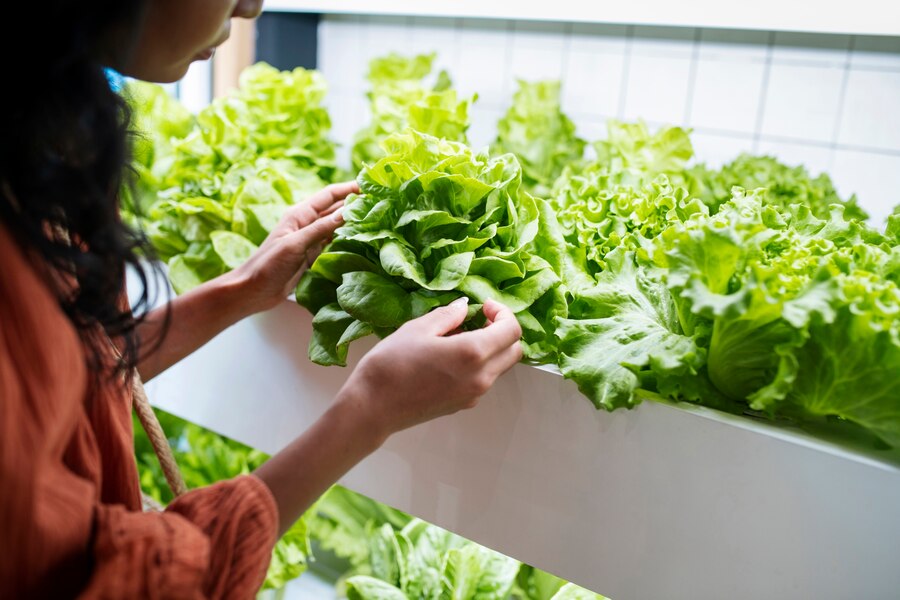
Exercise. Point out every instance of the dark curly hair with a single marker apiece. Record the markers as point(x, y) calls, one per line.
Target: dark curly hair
point(64, 155)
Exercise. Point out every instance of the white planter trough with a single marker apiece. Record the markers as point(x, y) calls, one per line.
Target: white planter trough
point(661, 502)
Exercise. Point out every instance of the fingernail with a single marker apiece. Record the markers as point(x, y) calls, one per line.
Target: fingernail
point(464, 301)
point(338, 215)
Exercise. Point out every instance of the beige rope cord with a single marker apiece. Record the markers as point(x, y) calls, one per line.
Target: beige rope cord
point(158, 439)
point(151, 426)
point(157, 436)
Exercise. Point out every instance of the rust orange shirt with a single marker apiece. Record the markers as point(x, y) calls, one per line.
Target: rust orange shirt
point(70, 511)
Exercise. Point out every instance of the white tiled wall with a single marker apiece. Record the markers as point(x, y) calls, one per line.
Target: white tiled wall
point(830, 102)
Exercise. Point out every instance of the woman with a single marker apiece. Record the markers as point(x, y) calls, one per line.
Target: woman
point(70, 519)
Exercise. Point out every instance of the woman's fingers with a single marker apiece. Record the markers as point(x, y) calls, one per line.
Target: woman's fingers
point(323, 202)
point(315, 232)
point(336, 192)
point(506, 359)
point(334, 207)
point(313, 253)
point(442, 320)
point(501, 332)
point(494, 310)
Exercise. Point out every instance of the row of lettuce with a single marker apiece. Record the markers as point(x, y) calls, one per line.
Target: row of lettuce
point(753, 288)
point(374, 552)
point(750, 288)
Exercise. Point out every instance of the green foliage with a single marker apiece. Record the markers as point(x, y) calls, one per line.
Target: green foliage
point(400, 97)
point(785, 185)
point(423, 562)
point(741, 300)
point(754, 287)
point(539, 134)
point(391, 555)
point(212, 187)
point(159, 121)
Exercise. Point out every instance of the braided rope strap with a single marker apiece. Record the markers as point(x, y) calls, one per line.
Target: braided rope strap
point(158, 439)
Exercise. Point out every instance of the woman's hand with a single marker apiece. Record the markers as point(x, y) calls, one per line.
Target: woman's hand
point(420, 372)
point(266, 279)
point(272, 273)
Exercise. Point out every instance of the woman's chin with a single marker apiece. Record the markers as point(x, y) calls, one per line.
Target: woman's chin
point(206, 54)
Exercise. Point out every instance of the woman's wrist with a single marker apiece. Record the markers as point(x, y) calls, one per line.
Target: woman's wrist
point(352, 406)
point(235, 294)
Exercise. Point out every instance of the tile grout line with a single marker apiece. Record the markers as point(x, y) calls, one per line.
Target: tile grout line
point(457, 43)
point(566, 55)
point(842, 102)
point(776, 139)
point(626, 72)
point(692, 80)
point(505, 91)
point(763, 92)
point(364, 27)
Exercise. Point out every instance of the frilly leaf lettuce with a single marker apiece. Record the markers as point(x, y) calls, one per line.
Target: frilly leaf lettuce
point(756, 285)
point(599, 215)
point(799, 308)
point(539, 134)
point(400, 97)
point(626, 331)
point(212, 187)
point(848, 368)
point(630, 148)
point(785, 185)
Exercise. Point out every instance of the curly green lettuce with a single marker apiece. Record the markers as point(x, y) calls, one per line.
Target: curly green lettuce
point(402, 96)
point(540, 135)
point(212, 193)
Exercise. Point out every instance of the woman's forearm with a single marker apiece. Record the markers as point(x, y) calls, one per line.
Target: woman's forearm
point(194, 318)
point(302, 472)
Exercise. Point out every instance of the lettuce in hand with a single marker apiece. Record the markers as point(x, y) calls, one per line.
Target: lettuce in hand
point(434, 221)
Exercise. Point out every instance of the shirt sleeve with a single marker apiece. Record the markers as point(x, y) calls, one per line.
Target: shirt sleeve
point(213, 542)
point(59, 538)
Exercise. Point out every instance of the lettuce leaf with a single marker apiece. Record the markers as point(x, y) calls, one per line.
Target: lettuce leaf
point(425, 561)
point(848, 369)
point(631, 148)
point(626, 331)
point(158, 122)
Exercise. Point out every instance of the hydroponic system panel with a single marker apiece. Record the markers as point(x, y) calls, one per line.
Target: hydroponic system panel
point(664, 501)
